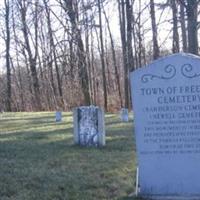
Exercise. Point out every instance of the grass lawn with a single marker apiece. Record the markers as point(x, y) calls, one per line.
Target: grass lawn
point(38, 160)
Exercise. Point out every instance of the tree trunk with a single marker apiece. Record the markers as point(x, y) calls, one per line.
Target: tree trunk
point(139, 35)
point(71, 8)
point(175, 42)
point(83, 74)
point(87, 50)
point(183, 27)
point(94, 89)
point(114, 60)
point(129, 19)
point(32, 59)
point(192, 26)
point(7, 40)
point(53, 54)
point(122, 18)
point(135, 43)
point(154, 30)
point(102, 57)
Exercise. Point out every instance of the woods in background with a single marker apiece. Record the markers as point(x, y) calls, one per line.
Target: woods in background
point(59, 54)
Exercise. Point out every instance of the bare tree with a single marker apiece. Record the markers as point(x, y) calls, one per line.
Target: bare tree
point(54, 58)
point(129, 18)
point(52, 55)
point(183, 27)
point(32, 57)
point(114, 59)
point(191, 8)
point(102, 57)
point(71, 9)
point(156, 51)
point(7, 41)
point(175, 42)
point(122, 20)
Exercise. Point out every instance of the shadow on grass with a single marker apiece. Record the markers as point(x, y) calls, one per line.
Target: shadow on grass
point(29, 135)
point(131, 198)
point(32, 116)
point(44, 164)
point(118, 122)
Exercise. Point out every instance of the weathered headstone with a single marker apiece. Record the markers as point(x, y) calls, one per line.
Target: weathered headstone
point(1, 112)
point(166, 104)
point(89, 128)
point(58, 116)
point(124, 115)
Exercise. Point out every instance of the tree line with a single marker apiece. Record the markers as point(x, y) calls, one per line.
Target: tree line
point(60, 54)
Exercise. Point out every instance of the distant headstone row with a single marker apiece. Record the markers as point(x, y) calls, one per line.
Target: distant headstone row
point(166, 104)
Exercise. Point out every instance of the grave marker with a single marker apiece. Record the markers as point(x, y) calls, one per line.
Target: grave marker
point(58, 116)
point(166, 104)
point(89, 128)
point(124, 115)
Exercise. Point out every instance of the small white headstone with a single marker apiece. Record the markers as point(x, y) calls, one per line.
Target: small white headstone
point(124, 115)
point(58, 116)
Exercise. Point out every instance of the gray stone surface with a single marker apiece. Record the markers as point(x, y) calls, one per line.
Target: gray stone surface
point(101, 127)
point(166, 104)
point(124, 114)
point(75, 123)
point(157, 197)
point(89, 127)
point(58, 116)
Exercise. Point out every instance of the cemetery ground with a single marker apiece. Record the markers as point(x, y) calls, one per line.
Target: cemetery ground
point(38, 160)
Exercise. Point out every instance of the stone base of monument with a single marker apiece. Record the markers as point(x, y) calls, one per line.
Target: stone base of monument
point(89, 128)
point(159, 197)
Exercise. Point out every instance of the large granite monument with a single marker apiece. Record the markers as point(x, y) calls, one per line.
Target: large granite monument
point(166, 105)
